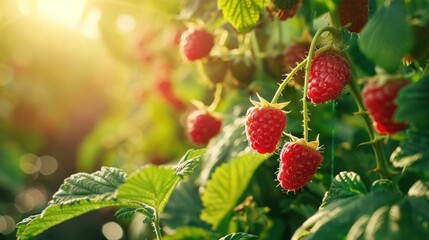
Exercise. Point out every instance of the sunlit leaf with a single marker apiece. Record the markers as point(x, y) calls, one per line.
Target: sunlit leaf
point(79, 194)
point(387, 38)
point(242, 14)
point(153, 185)
point(231, 142)
point(227, 185)
point(345, 184)
point(189, 162)
point(101, 184)
point(192, 233)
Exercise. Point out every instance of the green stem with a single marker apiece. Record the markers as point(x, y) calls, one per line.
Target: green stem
point(257, 54)
point(217, 97)
point(310, 56)
point(382, 165)
point(157, 227)
point(292, 73)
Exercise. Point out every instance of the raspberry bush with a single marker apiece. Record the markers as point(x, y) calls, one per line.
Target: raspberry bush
point(334, 148)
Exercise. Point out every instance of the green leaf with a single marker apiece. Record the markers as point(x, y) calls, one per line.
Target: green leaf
point(387, 36)
point(153, 185)
point(189, 162)
point(227, 185)
point(419, 189)
point(242, 14)
point(79, 194)
point(81, 186)
point(402, 220)
point(345, 184)
point(413, 152)
point(184, 207)
point(147, 211)
point(192, 233)
point(238, 236)
point(336, 219)
point(411, 102)
point(230, 143)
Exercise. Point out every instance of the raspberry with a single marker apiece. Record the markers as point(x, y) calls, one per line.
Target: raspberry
point(215, 69)
point(243, 72)
point(298, 164)
point(329, 73)
point(354, 12)
point(293, 55)
point(379, 99)
point(196, 44)
point(288, 11)
point(264, 126)
point(202, 127)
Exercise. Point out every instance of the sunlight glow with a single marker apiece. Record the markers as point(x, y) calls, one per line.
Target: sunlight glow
point(64, 12)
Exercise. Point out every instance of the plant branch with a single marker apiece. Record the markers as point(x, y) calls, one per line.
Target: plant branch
point(382, 165)
point(310, 57)
point(157, 227)
point(292, 73)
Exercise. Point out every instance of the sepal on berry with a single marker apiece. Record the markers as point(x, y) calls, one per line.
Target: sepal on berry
point(264, 103)
point(312, 144)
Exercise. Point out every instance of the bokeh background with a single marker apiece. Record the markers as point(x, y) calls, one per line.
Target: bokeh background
point(86, 83)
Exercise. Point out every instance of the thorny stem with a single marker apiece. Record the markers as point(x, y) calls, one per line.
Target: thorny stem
point(292, 73)
point(382, 165)
point(310, 56)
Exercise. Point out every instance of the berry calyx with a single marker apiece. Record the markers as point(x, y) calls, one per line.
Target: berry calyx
point(378, 96)
point(299, 161)
point(329, 73)
point(354, 14)
point(196, 44)
point(264, 125)
point(202, 126)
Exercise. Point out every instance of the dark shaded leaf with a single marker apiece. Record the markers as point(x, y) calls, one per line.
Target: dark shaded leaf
point(344, 185)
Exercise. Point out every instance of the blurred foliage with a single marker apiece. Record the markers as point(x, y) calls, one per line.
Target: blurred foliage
point(92, 83)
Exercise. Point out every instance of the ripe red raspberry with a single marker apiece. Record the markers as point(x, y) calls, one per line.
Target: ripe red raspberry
point(287, 10)
point(202, 126)
point(298, 163)
point(196, 43)
point(293, 55)
point(354, 12)
point(379, 99)
point(264, 125)
point(329, 73)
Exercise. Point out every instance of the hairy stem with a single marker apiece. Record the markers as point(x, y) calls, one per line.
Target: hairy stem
point(310, 57)
point(157, 227)
point(292, 73)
